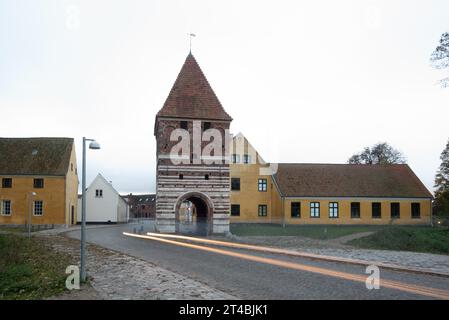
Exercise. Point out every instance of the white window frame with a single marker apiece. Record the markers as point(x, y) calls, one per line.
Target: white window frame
point(98, 193)
point(2, 207)
point(262, 185)
point(41, 208)
point(235, 158)
point(314, 209)
point(333, 209)
point(246, 158)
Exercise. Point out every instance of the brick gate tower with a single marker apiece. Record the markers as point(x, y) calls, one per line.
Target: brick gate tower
point(193, 176)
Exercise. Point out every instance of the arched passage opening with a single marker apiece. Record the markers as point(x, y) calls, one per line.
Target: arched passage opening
point(194, 214)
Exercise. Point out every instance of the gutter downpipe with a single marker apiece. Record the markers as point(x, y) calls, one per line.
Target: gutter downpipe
point(283, 211)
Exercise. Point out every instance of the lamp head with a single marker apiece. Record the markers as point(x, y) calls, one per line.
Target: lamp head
point(94, 145)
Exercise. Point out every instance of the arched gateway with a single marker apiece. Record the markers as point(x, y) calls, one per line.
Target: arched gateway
point(196, 218)
point(193, 188)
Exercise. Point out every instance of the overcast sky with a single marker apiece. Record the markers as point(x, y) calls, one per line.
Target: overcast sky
point(305, 81)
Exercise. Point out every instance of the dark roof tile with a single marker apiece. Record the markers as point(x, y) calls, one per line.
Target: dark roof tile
point(192, 96)
point(348, 180)
point(35, 156)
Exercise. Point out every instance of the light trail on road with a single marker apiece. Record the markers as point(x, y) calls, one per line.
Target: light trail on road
point(415, 289)
point(290, 252)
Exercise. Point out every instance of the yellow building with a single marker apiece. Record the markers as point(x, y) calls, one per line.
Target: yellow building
point(323, 193)
point(39, 181)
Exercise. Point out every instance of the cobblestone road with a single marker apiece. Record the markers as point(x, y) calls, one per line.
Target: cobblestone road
point(118, 276)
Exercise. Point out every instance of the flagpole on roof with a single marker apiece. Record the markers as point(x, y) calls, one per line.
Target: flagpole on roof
point(191, 35)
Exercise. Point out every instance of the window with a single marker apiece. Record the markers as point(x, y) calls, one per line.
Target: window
point(71, 167)
point(333, 209)
point(6, 207)
point(7, 183)
point(206, 177)
point(262, 210)
point(183, 125)
point(395, 211)
point(206, 126)
point(296, 209)
point(376, 212)
point(181, 176)
point(262, 185)
point(246, 158)
point(39, 183)
point(38, 209)
point(314, 209)
point(235, 184)
point(355, 210)
point(99, 193)
point(235, 158)
point(235, 210)
point(416, 210)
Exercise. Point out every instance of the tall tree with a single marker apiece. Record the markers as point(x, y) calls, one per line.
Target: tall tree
point(380, 153)
point(441, 203)
point(442, 176)
point(440, 57)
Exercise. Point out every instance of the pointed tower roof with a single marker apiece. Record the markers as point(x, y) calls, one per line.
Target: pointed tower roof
point(192, 96)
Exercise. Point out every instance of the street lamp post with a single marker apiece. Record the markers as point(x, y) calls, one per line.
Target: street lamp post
point(95, 146)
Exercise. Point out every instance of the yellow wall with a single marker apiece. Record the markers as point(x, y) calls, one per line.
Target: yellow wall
point(58, 195)
point(279, 209)
point(365, 211)
point(52, 196)
point(249, 197)
point(71, 187)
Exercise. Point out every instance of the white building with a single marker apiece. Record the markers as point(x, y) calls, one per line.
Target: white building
point(103, 203)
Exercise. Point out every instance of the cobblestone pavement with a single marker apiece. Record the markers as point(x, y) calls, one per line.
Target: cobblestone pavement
point(248, 279)
point(335, 247)
point(115, 275)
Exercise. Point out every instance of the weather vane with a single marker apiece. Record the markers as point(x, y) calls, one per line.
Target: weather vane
point(191, 35)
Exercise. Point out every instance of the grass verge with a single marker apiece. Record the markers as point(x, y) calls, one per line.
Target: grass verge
point(30, 269)
point(417, 239)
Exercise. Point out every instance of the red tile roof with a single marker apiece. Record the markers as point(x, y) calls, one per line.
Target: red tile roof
point(349, 180)
point(192, 96)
